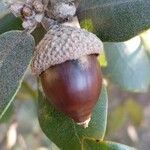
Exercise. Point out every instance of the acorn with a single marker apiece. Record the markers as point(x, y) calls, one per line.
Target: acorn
point(66, 62)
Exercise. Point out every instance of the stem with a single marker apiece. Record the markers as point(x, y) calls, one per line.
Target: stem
point(73, 23)
point(48, 23)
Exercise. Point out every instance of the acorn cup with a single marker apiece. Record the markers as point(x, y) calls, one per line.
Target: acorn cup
point(66, 62)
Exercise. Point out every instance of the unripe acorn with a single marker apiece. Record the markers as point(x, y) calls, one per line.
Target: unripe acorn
point(66, 61)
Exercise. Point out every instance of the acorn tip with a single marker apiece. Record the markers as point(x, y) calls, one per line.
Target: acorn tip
point(85, 124)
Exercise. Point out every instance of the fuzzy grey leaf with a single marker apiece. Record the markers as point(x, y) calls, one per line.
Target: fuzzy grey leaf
point(16, 50)
point(114, 20)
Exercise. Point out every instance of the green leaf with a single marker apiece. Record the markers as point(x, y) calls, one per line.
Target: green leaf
point(8, 114)
point(64, 132)
point(130, 110)
point(104, 145)
point(102, 60)
point(115, 20)
point(128, 65)
point(146, 40)
point(9, 22)
point(26, 92)
point(116, 120)
point(38, 34)
point(16, 50)
point(136, 114)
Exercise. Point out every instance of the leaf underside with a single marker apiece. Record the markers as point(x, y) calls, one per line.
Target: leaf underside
point(115, 20)
point(16, 50)
point(128, 65)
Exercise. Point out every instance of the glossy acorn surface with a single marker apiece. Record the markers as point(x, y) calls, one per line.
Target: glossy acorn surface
point(74, 86)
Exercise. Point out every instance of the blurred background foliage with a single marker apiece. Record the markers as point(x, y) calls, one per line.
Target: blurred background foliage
point(128, 113)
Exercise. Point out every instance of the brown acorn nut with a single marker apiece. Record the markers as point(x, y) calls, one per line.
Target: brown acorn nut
point(66, 61)
point(72, 88)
